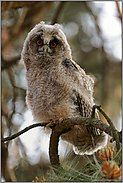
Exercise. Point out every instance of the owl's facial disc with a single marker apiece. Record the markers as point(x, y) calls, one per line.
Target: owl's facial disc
point(48, 45)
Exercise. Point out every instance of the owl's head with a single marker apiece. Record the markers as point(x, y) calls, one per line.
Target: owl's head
point(45, 41)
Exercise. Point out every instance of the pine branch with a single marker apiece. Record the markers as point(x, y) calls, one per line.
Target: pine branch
point(22, 131)
point(63, 127)
point(66, 125)
point(113, 129)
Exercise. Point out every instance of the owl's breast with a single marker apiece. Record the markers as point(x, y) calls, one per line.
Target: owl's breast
point(48, 99)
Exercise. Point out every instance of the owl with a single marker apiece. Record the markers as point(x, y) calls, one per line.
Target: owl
point(57, 87)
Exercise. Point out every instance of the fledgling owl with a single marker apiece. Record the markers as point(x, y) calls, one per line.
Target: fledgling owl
point(57, 88)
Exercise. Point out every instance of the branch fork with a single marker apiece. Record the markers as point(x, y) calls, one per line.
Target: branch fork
point(65, 126)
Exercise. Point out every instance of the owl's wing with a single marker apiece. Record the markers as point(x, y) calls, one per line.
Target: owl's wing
point(85, 82)
point(88, 81)
point(82, 107)
point(80, 136)
point(85, 139)
point(83, 90)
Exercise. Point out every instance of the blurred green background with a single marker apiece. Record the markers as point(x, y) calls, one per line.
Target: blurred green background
point(98, 52)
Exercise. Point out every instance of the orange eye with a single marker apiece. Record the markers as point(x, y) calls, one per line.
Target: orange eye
point(53, 44)
point(39, 42)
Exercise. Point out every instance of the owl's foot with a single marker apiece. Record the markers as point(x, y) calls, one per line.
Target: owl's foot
point(53, 123)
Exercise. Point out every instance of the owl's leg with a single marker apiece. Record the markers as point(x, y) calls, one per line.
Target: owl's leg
point(53, 123)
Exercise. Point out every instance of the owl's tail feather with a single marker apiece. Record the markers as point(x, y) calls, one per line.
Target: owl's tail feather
point(85, 142)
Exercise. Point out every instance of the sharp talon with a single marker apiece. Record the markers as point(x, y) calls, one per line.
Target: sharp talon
point(59, 121)
point(51, 123)
point(54, 123)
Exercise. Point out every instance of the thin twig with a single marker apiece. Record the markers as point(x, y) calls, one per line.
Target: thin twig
point(17, 27)
point(19, 88)
point(55, 18)
point(105, 115)
point(8, 63)
point(119, 11)
point(59, 129)
point(22, 131)
point(20, 20)
point(113, 129)
point(11, 79)
point(66, 126)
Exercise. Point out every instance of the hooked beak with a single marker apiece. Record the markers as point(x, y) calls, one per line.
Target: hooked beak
point(45, 50)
